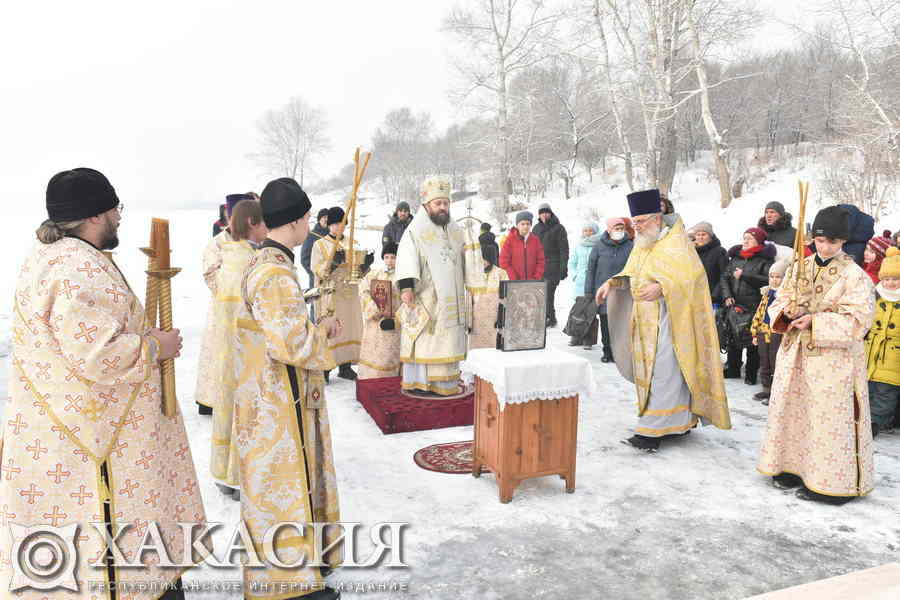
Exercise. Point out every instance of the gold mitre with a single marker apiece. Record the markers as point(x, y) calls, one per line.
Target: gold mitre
point(435, 187)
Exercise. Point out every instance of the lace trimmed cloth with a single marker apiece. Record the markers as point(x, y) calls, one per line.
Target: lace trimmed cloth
point(519, 377)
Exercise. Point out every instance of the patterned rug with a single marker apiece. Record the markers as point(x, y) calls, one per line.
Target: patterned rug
point(455, 457)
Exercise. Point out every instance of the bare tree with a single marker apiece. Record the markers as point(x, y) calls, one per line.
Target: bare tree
point(498, 39)
point(291, 138)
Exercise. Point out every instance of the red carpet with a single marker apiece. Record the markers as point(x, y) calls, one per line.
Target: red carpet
point(455, 457)
point(394, 412)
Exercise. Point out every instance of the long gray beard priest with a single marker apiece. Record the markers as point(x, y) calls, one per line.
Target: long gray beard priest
point(431, 275)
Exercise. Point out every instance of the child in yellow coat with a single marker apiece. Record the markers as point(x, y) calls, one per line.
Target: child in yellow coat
point(882, 348)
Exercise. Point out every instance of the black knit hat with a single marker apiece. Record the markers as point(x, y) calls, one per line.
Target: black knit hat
point(646, 202)
point(485, 227)
point(832, 222)
point(79, 194)
point(323, 212)
point(389, 248)
point(776, 206)
point(335, 215)
point(283, 201)
point(402, 205)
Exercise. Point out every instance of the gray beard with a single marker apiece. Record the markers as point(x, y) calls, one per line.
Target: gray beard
point(645, 240)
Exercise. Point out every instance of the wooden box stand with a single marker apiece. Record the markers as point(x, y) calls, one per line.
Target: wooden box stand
point(532, 439)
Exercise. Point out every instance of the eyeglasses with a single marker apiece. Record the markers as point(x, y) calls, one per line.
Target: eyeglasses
point(120, 207)
point(641, 222)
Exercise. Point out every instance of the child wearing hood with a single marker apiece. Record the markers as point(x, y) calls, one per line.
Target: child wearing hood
point(767, 341)
point(883, 355)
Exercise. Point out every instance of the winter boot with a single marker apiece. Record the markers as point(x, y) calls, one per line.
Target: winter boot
point(345, 372)
point(642, 442)
point(573, 342)
point(204, 410)
point(327, 376)
point(749, 378)
point(732, 373)
point(787, 481)
point(806, 494)
point(607, 355)
point(763, 395)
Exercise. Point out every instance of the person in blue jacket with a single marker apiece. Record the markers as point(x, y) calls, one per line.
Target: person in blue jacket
point(607, 259)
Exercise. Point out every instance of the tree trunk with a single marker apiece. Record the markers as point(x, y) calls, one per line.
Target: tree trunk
point(719, 150)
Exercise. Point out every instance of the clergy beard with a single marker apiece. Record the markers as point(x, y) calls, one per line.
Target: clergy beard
point(110, 239)
point(647, 238)
point(439, 218)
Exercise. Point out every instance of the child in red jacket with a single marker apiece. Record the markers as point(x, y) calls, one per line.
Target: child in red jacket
point(522, 256)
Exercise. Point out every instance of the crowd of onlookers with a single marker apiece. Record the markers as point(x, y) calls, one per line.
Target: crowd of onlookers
point(742, 278)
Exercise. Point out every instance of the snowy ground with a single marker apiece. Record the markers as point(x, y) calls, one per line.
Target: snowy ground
point(695, 521)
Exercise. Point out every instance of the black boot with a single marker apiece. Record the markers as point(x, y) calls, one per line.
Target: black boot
point(750, 378)
point(642, 442)
point(807, 494)
point(730, 373)
point(763, 395)
point(573, 342)
point(327, 376)
point(787, 481)
point(607, 355)
point(345, 372)
point(204, 410)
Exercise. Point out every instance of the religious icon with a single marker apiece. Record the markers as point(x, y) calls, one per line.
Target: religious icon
point(381, 294)
point(522, 316)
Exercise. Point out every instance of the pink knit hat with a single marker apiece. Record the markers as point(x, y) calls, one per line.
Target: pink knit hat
point(610, 223)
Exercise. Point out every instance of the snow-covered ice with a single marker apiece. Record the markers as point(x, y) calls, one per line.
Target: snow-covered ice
point(695, 521)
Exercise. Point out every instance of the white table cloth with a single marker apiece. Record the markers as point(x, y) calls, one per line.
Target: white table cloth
point(519, 377)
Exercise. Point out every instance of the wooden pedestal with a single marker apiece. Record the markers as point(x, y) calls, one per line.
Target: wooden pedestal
point(527, 440)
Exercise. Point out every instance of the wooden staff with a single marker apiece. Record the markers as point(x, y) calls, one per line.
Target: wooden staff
point(161, 275)
point(358, 173)
point(798, 266)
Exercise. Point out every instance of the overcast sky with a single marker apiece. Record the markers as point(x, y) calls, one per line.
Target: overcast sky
point(163, 96)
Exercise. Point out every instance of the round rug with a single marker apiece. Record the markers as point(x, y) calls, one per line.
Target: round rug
point(454, 457)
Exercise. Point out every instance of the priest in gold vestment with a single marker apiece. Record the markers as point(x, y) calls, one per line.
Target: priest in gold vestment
point(281, 420)
point(432, 266)
point(668, 346)
point(485, 300)
point(819, 431)
point(380, 352)
point(342, 299)
point(212, 262)
point(247, 230)
point(84, 436)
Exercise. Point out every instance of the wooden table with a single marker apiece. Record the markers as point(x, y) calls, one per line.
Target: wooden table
point(531, 439)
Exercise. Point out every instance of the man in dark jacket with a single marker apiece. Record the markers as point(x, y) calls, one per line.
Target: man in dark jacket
point(400, 220)
point(713, 256)
point(555, 240)
point(320, 230)
point(747, 272)
point(776, 222)
point(862, 229)
point(607, 258)
point(487, 238)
